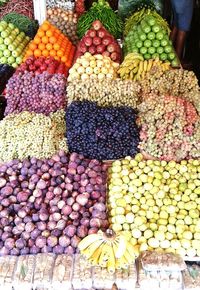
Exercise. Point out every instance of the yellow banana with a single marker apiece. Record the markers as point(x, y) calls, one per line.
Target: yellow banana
point(88, 241)
point(121, 246)
point(145, 65)
point(95, 257)
point(111, 262)
point(140, 69)
point(88, 252)
point(150, 63)
point(104, 255)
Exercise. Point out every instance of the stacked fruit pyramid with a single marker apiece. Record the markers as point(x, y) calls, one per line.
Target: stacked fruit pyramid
point(49, 41)
point(146, 44)
point(12, 44)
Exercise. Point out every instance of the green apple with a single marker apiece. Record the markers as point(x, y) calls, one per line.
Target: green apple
point(1, 40)
point(7, 41)
point(1, 53)
point(11, 26)
point(15, 65)
point(4, 34)
point(11, 60)
point(11, 47)
point(7, 53)
point(16, 30)
point(3, 47)
point(3, 59)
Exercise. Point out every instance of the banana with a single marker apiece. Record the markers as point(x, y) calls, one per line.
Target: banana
point(95, 257)
point(111, 261)
point(104, 255)
point(121, 246)
point(140, 69)
point(150, 63)
point(92, 248)
point(87, 241)
point(145, 65)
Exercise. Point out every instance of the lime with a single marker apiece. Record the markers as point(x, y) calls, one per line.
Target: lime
point(142, 37)
point(171, 56)
point(147, 43)
point(143, 50)
point(146, 29)
point(135, 49)
point(155, 55)
point(139, 44)
point(164, 42)
point(159, 35)
point(175, 63)
point(151, 50)
point(156, 28)
point(156, 43)
point(139, 30)
point(163, 56)
point(151, 20)
point(147, 56)
point(160, 50)
point(168, 49)
point(151, 35)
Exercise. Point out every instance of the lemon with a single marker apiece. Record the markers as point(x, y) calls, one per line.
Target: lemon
point(154, 243)
point(136, 233)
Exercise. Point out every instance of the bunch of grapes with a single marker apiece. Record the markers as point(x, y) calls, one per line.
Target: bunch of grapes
point(170, 128)
point(43, 93)
point(176, 82)
point(101, 133)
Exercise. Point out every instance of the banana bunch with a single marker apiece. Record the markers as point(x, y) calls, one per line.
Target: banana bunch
point(108, 250)
point(134, 67)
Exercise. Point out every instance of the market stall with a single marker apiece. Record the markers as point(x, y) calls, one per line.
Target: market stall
point(99, 152)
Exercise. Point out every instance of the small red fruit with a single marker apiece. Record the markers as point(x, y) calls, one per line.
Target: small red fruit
point(101, 32)
point(111, 48)
point(87, 40)
point(101, 48)
point(106, 53)
point(92, 49)
point(91, 33)
point(97, 24)
point(114, 56)
point(96, 40)
point(107, 40)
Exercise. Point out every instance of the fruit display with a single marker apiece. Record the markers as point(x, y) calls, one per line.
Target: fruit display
point(91, 66)
point(6, 72)
point(82, 276)
point(45, 93)
point(12, 44)
point(28, 134)
point(176, 82)
point(49, 41)
point(157, 202)
point(43, 271)
point(23, 23)
point(65, 20)
point(101, 11)
point(27, 263)
point(64, 262)
point(105, 93)
point(169, 128)
point(24, 7)
point(134, 67)
point(50, 205)
point(150, 40)
point(42, 64)
point(108, 250)
point(98, 40)
point(101, 133)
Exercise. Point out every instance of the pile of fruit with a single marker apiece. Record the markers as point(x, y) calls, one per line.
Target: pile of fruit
point(134, 67)
point(98, 40)
point(49, 41)
point(150, 40)
point(93, 67)
point(49, 205)
point(12, 44)
point(44, 93)
point(102, 133)
point(105, 93)
point(42, 64)
point(28, 134)
point(65, 20)
point(157, 203)
point(169, 128)
point(101, 11)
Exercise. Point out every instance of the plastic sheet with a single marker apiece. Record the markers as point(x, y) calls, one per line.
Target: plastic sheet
point(7, 267)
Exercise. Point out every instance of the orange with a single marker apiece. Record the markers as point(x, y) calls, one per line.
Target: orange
point(37, 53)
point(37, 39)
point(45, 52)
point(32, 46)
point(60, 53)
point(49, 46)
point(64, 58)
point(52, 39)
point(52, 53)
point(40, 33)
point(49, 33)
point(29, 53)
point(45, 39)
point(45, 26)
point(41, 46)
point(56, 46)
point(57, 58)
